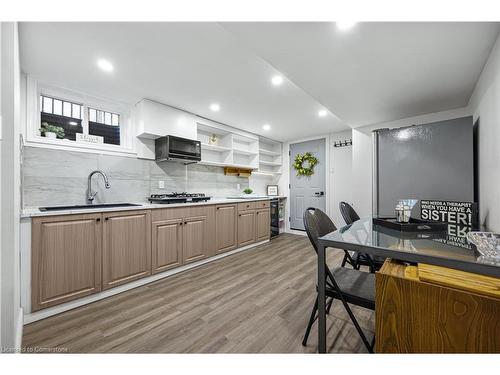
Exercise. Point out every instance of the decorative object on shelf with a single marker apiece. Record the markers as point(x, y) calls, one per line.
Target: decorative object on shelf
point(51, 131)
point(272, 190)
point(247, 191)
point(343, 143)
point(213, 140)
point(89, 138)
point(305, 170)
point(487, 244)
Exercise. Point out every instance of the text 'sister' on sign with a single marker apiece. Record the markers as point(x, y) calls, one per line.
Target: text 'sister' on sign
point(459, 213)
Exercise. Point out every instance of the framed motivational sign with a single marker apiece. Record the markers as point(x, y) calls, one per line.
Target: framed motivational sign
point(457, 213)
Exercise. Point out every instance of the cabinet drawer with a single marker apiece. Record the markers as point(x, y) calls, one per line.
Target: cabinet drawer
point(246, 206)
point(169, 213)
point(262, 204)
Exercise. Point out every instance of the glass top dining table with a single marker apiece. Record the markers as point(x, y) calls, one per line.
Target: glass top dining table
point(447, 249)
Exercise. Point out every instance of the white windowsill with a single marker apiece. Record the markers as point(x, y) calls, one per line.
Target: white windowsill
point(67, 145)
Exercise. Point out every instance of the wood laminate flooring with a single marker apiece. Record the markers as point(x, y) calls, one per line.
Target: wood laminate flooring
point(256, 301)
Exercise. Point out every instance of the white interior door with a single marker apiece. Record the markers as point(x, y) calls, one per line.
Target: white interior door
point(307, 191)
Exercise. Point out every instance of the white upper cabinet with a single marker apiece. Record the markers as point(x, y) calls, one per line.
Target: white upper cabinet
point(155, 120)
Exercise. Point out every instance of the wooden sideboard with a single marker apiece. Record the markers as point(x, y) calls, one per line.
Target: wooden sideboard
point(431, 309)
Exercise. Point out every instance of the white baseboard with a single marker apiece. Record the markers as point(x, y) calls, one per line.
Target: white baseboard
point(45, 313)
point(19, 329)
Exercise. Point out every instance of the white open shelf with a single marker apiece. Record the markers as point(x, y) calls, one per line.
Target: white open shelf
point(206, 146)
point(232, 149)
point(270, 163)
point(244, 152)
point(270, 157)
point(263, 151)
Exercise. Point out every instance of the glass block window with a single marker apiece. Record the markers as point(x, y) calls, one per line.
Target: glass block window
point(62, 113)
point(105, 124)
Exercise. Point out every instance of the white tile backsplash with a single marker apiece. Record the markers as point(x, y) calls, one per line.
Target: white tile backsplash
point(55, 177)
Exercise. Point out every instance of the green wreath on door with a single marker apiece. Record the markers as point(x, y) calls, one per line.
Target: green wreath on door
point(302, 170)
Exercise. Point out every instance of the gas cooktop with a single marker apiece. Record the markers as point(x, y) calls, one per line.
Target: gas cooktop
point(178, 198)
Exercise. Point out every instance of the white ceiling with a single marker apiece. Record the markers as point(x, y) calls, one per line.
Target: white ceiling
point(372, 73)
point(376, 72)
point(185, 65)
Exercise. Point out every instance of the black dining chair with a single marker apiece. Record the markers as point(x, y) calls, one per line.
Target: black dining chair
point(356, 259)
point(350, 286)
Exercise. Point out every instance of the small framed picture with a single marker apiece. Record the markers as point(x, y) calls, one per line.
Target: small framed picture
point(272, 190)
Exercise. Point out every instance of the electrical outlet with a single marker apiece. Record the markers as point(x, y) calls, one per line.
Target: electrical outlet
point(161, 184)
point(238, 186)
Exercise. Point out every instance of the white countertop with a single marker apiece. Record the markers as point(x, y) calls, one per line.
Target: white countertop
point(34, 211)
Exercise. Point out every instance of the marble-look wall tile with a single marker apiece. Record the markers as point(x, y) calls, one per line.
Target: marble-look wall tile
point(54, 191)
point(122, 191)
point(167, 168)
point(171, 184)
point(42, 162)
point(124, 168)
point(55, 177)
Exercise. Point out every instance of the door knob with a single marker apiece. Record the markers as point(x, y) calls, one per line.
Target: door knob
point(320, 193)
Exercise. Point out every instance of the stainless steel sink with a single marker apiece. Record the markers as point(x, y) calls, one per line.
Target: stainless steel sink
point(88, 206)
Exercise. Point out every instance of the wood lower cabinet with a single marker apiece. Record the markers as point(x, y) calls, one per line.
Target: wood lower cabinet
point(226, 228)
point(246, 227)
point(432, 309)
point(126, 247)
point(166, 239)
point(65, 258)
point(262, 224)
point(77, 255)
point(195, 239)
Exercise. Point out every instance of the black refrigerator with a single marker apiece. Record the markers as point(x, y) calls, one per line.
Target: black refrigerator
point(433, 161)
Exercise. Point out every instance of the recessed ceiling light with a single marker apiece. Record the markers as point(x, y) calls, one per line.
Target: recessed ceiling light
point(345, 25)
point(105, 65)
point(73, 123)
point(277, 80)
point(215, 107)
point(322, 113)
point(266, 127)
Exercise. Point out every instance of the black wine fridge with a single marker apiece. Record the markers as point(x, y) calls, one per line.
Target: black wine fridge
point(275, 217)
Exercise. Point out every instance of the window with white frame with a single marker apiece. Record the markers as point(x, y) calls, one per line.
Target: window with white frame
point(64, 118)
point(60, 118)
point(106, 125)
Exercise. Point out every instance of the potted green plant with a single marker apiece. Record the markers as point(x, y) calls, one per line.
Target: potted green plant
point(51, 131)
point(247, 191)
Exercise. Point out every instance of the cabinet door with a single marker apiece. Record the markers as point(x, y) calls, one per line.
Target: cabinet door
point(166, 237)
point(195, 238)
point(126, 247)
point(262, 224)
point(65, 258)
point(226, 227)
point(246, 227)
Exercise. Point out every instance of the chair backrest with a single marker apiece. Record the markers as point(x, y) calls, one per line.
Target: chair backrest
point(348, 213)
point(317, 224)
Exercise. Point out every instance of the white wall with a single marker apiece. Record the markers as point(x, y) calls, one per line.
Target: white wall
point(362, 153)
point(1, 113)
point(485, 104)
point(340, 175)
point(258, 183)
point(10, 187)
